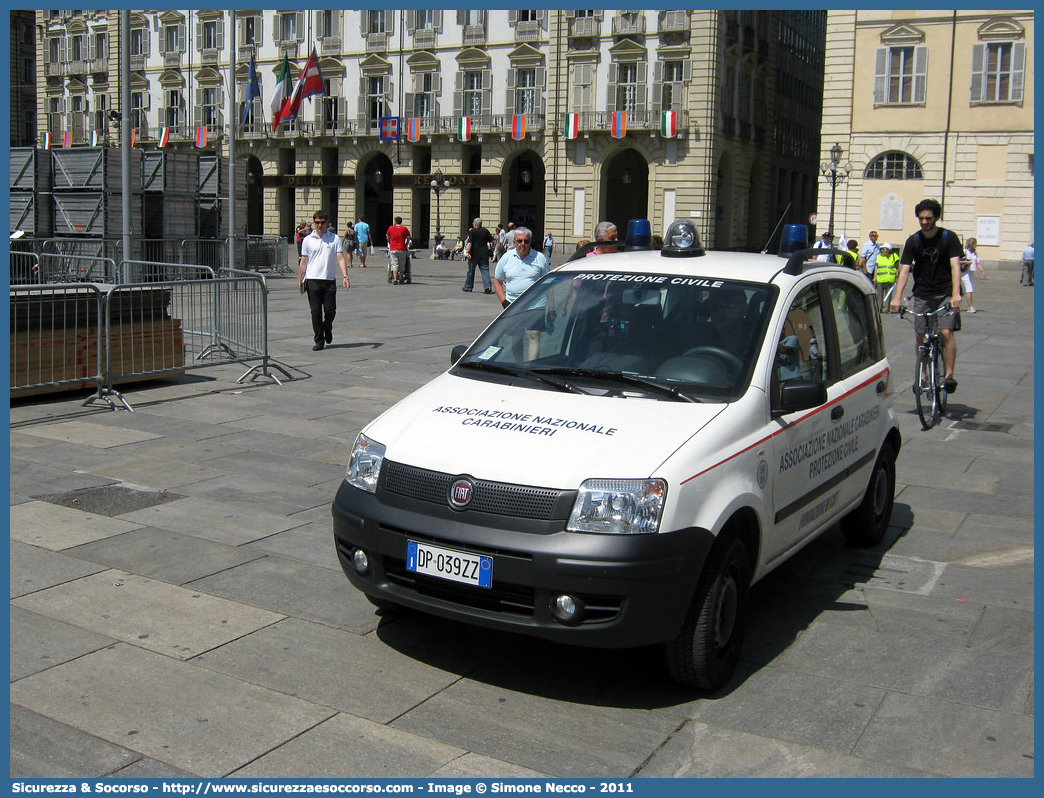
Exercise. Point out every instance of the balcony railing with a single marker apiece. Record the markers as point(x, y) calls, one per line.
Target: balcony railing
point(584, 26)
point(330, 45)
point(424, 37)
point(209, 56)
point(474, 35)
point(376, 42)
point(629, 25)
point(674, 21)
point(528, 31)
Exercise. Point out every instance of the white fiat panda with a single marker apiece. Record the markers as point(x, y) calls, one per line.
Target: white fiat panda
point(629, 446)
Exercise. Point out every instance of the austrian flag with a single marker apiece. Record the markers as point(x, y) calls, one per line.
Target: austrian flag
point(669, 124)
point(572, 126)
point(464, 128)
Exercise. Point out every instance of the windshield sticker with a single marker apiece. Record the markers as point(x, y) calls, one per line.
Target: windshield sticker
point(655, 279)
point(522, 422)
point(489, 353)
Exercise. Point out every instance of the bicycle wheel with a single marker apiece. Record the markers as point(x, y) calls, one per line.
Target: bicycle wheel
point(940, 381)
point(925, 391)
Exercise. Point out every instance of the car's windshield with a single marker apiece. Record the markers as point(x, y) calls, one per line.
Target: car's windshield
point(698, 335)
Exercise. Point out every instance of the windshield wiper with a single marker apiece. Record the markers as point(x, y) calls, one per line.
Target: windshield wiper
point(616, 376)
point(561, 385)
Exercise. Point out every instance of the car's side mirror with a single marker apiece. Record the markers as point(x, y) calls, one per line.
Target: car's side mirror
point(457, 353)
point(800, 394)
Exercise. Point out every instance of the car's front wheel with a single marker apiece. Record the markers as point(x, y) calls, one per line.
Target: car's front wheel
point(706, 651)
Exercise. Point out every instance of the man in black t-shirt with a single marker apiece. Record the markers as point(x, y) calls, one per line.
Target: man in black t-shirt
point(933, 255)
point(478, 246)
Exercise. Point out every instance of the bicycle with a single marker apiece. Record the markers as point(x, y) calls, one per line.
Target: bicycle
point(929, 385)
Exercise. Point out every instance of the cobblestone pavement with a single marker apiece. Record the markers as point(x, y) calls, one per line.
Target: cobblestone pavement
point(177, 608)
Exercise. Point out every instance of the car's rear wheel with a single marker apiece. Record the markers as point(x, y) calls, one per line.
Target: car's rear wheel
point(866, 524)
point(706, 651)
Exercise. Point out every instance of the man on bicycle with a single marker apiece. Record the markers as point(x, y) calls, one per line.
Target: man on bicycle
point(933, 255)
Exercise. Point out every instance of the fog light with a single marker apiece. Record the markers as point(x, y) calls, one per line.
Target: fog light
point(361, 561)
point(568, 610)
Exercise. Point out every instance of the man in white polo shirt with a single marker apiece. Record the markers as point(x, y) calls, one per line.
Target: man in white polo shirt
point(322, 257)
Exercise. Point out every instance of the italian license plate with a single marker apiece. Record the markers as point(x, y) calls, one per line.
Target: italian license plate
point(456, 566)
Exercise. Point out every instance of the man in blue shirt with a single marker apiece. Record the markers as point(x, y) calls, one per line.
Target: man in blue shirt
point(362, 235)
point(868, 254)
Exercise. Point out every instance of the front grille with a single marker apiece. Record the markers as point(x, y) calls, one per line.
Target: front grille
point(502, 597)
point(498, 498)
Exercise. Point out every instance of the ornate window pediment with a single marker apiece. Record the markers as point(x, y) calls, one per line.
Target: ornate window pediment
point(903, 34)
point(1002, 29)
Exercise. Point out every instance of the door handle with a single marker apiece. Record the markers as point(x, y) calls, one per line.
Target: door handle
point(836, 413)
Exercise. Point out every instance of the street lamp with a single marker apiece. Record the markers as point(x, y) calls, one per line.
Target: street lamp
point(438, 184)
point(833, 171)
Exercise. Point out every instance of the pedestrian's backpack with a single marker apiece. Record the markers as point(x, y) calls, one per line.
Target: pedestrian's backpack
point(918, 243)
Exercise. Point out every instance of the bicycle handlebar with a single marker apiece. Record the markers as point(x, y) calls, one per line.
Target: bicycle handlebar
point(942, 310)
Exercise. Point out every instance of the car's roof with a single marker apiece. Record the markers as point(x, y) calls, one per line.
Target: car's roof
point(753, 267)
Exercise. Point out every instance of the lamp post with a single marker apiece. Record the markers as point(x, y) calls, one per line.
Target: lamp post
point(438, 184)
point(836, 173)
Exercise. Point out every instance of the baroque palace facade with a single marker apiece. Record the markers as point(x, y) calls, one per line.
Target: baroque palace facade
point(739, 154)
point(932, 103)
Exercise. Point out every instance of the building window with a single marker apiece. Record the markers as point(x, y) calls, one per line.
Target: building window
point(527, 15)
point(376, 104)
point(627, 87)
point(209, 35)
point(54, 51)
point(101, 46)
point(998, 72)
point(583, 87)
point(378, 22)
point(139, 104)
point(173, 39)
point(210, 106)
point(525, 91)
point(76, 52)
point(673, 95)
point(472, 101)
point(474, 16)
point(139, 41)
point(288, 27)
point(893, 166)
point(325, 24)
point(251, 30)
point(172, 115)
point(901, 75)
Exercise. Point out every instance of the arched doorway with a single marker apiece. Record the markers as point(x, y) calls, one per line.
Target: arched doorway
point(254, 197)
point(625, 182)
point(373, 196)
point(522, 194)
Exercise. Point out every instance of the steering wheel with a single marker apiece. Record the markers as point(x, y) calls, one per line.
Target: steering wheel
point(718, 352)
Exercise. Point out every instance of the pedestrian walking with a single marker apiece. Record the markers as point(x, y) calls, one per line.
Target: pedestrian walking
point(322, 257)
point(883, 273)
point(350, 242)
point(478, 247)
point(1027, 265)
point(549, 245)
point(398, 251)
point(969, 265)
point(362, 237)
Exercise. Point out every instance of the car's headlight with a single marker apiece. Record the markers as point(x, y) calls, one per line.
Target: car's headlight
point(364, 465)
point(618, 506)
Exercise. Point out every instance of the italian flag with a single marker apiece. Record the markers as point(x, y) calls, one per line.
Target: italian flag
point(95, 138)
point(164, 137)
point(572, 126)
point(669, 124)
point(464, 128)
point(47, 140)
point(281, 92)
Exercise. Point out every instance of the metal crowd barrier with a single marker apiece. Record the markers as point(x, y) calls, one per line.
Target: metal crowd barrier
point(150, 271)
point(79, 335)
point(73, 268)
point(56, 337)
point(25, 268)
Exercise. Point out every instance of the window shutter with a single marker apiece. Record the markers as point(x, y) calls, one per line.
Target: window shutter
point(411, 21)
point(181, 37)
point(487, 91)
point(614, 78)
point(199, 106)
point(687, 70)
point(511, 77)
point(389, 23)
point(63, 50)
point(542, 18)
point(920, 73)
point(657, 101)
point(512, 17)
point(299, 26)
point(219, 34)
point(570, 14)
point(977, 76)
point(881, 76)
point(458, 92)
point(411, 104)
point(92, 48)
point(437, 20)
point(199, 35)
point(462, 17)
point(436, 84)
point(643, 87)
point(1018, 71)
point(541, 89)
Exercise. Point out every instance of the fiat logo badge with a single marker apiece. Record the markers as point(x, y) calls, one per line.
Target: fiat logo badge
point(461, 493)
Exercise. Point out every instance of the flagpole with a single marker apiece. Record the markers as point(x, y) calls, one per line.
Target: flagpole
point(233, 122)
point(125, 135)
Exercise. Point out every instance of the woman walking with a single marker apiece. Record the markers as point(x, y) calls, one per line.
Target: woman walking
point(970, 263)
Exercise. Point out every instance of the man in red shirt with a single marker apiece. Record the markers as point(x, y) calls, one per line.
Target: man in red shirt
point(398, 236)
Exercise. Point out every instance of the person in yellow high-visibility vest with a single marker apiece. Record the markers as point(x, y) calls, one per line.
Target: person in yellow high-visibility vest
point(885, 271)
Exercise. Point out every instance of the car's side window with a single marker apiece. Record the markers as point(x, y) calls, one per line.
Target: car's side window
point(854, 342)
point(801, 351)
